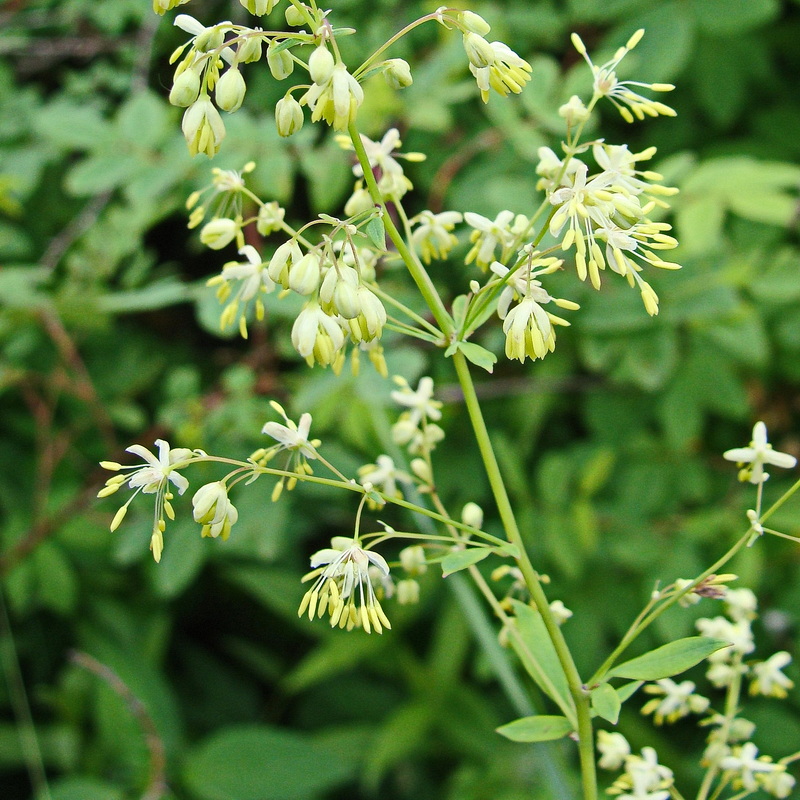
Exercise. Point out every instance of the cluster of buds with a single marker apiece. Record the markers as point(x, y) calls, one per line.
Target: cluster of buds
point(334, 95)
point(414, 564)
point(197, 75)
point(494, 64)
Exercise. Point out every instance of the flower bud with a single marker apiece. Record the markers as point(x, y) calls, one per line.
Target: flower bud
point(479, 51)
point(219, 232)
point(359, 201)
point(270, 217)
point(281, 63)
point(230, 90)
point(574, 111)
point(213, 510)
point(407, 592)
point(421, 468)
point(210, 39)
point(320, 65)
point(294, 16)
point(206, 499)
point(398, 73)
point(412, 559)
point(304, 274)
point(185, 89)
point(475, 23)
point(258, 7)
point(472, 515)
point(345, 300)
point(203, 127)
point(282, 259)
point(369, 322)
point(288, 116)
point(249, 50)
point(339, 292)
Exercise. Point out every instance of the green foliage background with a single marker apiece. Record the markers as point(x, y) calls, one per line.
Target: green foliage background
point(611, 446)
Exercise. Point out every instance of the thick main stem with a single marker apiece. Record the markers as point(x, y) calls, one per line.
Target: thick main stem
point(580, 695)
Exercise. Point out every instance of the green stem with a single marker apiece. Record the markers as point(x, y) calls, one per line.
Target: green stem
point(643, 621)
point(731, 709)
point(578, 692)
point(415, 268)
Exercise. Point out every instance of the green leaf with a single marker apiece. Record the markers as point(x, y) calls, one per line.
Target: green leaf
point(628, 690)
point(479, 356)
point(265, 763)
point(732, 16)
point(168, 292)
point(606, 703)
point(102, 172)
point(84, 788)
point(539, 647)
point(671, 659)
point(541, 728)
point(143, 119)
point(72, 126)
point(459, 309)
point(376, 232)
point(461, 559)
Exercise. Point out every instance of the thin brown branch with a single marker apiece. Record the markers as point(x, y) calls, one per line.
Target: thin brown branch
point(157, 782)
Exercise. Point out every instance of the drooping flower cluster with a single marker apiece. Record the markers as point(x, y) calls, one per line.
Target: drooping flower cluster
point(603, 216)
point(493, 64)
point(344, 587)
point(154, 476)
point(529, 328)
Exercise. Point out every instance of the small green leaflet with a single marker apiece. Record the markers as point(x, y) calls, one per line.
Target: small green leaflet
point(541, 728)
point(671, 659)
point(479, 356)
point(376, 232)
point(606, 703)
point(461, 559)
